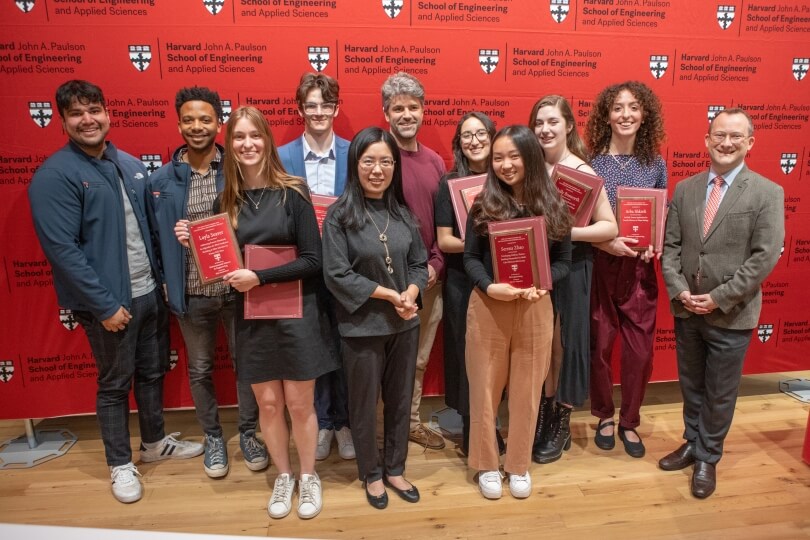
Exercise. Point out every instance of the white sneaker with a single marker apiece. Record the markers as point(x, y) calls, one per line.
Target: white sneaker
point(491, 484)
point(520, 485)
point(170, 448)
point(309, 496)
point(344, 443)
point(125, 484)
point(324, 448)
point(281, 502)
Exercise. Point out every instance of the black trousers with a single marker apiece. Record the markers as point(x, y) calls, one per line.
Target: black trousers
point(378, 365)
point(710, 362)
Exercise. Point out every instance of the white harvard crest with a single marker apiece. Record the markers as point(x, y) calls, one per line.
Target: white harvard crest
point(318, 57)
point(725, 16)
point(173, 358)
point(226, 110)
point(713, 110)
point(488, 59)
point(787, 162)
point(6, 366)
point(41, 112)
point(764, 332)
point(67, 319)
point(392, 8)
point(213, 6)
point(140, 56)
point(658, 65)
point(559, 10)
point(25, 5)
point(800, 68)
point(152, 162)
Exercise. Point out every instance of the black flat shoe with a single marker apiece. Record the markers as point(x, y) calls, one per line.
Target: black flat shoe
point(634, 449)
point(407, 495)
point(605, 442)
point(379, 502)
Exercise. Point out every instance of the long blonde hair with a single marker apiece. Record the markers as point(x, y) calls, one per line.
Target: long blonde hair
point(271, 168)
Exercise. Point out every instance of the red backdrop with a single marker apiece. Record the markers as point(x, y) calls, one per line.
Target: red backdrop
point(497, 56)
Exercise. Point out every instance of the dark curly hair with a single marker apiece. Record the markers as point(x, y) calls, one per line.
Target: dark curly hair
point(198, 93)
point(540, 196)
point(650, 134)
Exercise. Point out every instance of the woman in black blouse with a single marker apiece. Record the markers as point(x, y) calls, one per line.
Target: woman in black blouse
point(376, 266)
point(509, 329)
point(280, 358)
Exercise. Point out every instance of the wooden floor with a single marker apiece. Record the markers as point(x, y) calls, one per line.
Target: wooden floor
point(763, 486)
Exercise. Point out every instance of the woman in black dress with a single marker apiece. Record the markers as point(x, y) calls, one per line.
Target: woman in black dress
point(376, 266)
point(280, 358)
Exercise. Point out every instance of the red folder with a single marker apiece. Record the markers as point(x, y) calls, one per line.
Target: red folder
point(283, 300)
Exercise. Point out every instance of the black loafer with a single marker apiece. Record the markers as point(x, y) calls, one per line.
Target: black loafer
point(379, 502)
point(407, 495)
point(605, 442)
point(633, 449)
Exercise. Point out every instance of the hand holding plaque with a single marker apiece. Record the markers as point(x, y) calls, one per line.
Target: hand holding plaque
point(520, 253)
point(214, 247)
point(463, 192)
point(579, 190)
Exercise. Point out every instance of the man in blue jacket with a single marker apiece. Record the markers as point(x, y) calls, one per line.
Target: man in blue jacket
point(320, 157)
point(182, 191)
point(88, 201)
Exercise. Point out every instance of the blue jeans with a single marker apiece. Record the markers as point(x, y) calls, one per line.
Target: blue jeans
point(141, 351)
point(199, 327)
point(331, 400)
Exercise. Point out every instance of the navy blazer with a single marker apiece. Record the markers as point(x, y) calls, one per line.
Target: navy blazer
point(292, 157)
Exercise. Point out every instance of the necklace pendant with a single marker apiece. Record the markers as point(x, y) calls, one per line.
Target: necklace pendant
point(383, 237)
point(390, 269)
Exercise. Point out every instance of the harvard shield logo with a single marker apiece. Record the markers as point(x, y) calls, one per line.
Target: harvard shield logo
point(67, 319)
point(226, 110)
point(213, 6)
point(788, 162)
point(658, 65)
point(318, 57)
point(725, 16)
point(41, 112)
point(392, 8)
point(25, 6)
point(140, 56)
point(6, 366)
point(488, 59)
point(764, 332)
point(152, 162)
point(713, 110)
point(559, 10)
point(174, 356)
point(800, 68)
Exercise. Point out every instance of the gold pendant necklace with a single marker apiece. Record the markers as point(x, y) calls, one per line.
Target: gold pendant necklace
point(384, 239)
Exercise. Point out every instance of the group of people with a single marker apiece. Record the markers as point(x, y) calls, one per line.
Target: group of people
point(387, 267)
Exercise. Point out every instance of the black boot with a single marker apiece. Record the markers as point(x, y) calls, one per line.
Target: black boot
point(465, 435)
point(501, 442)
point(544, 418)
point(559, 438)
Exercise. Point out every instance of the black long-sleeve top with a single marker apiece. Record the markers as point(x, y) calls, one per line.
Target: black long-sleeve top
point(478, 258)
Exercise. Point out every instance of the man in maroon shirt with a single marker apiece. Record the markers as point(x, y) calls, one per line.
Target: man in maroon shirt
point(403, 104)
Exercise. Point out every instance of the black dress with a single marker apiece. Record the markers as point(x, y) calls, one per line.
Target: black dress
point(456, 293)
point(284, 349)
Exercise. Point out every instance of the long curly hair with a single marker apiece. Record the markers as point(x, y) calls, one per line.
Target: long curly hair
point(650, 134)
point(233, 194)
point(540, 196)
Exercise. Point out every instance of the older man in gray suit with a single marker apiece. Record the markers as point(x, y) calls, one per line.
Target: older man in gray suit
point(724, 232)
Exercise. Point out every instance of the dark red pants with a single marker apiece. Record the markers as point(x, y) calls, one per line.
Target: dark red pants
point(624, 293)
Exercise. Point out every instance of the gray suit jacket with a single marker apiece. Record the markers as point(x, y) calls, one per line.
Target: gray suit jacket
point(739, 251)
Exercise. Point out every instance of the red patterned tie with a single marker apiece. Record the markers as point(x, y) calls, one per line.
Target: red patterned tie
point(712, 204)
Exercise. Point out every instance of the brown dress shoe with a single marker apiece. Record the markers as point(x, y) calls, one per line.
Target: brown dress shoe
point(704, 479)
point(426, 437)
point(679, 459)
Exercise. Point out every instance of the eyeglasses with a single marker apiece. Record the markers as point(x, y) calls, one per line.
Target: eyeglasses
point(385, 164)
point(720, 136)
point(482, 135)
point(324, 108)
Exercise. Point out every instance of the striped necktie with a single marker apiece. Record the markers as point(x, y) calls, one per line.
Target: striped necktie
point(713, 204)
